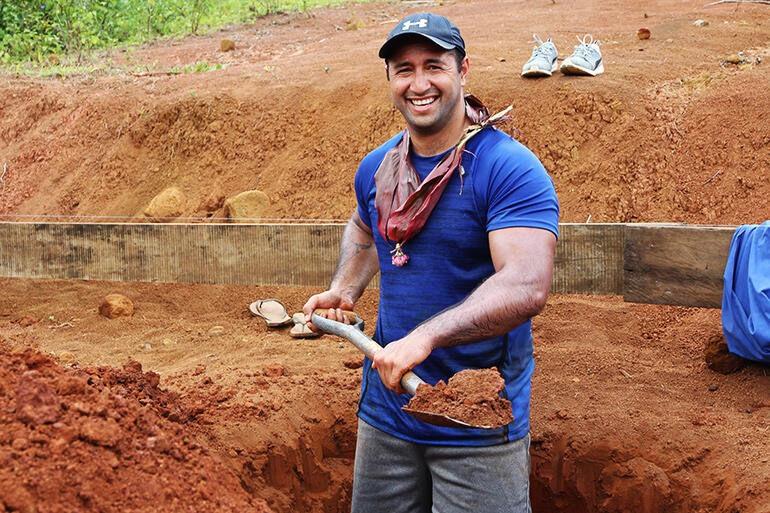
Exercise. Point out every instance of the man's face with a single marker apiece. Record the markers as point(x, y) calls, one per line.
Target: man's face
point(426, 85)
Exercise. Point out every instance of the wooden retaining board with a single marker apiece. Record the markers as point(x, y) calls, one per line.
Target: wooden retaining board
point(588, 257)
point(675, 264)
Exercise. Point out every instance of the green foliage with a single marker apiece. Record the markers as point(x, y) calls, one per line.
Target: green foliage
point(32, 30)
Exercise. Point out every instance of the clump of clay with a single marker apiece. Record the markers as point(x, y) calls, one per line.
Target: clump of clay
point(471, 396)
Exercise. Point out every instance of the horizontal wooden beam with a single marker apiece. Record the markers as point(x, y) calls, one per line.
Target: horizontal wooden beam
point(675, 264)
point(588, 257)
point(665, 264)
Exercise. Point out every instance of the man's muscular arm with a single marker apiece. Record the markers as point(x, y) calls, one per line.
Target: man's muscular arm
point(356, 266)
point(516, 292)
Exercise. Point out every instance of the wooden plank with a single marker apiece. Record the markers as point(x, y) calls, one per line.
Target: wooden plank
point(588, 257)
point(675, 264)
point(268, 254)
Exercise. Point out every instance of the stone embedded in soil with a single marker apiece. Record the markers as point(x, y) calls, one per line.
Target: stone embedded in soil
point(227, 45)
point(274, 370)
point(246, 206)
point(104, 432)
point(36, 402)
point(116, 305)
point(471, 396)
point(25, 321)
point(354, 363)
point(168, 204)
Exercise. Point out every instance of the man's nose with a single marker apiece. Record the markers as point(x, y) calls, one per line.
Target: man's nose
point(420, 82)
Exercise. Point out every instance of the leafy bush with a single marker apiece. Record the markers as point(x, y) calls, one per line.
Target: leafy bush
point(34, 29)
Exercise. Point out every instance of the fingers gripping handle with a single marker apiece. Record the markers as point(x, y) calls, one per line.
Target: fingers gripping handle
point(369, 347)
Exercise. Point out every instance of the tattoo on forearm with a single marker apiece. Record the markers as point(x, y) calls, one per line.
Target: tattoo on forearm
point(348, 251)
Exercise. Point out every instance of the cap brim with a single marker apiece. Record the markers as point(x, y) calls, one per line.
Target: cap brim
point(387, 48)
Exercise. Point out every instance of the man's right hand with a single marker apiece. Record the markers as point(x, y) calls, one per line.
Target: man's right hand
point(331, 300)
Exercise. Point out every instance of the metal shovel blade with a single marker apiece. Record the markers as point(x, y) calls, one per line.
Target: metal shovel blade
point(409, 380)
point(440, 420)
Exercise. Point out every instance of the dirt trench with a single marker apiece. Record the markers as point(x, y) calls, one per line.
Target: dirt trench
point(314, 474)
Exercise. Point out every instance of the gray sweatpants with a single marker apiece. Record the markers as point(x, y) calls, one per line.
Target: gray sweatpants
point(395, 476)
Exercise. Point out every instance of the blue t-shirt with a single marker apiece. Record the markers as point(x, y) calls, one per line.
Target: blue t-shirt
point(503, 185)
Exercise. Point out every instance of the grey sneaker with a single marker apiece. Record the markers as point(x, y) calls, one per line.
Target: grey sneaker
point(543, 60)
point(585, 60)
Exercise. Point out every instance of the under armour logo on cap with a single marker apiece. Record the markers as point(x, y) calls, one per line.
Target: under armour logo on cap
point(433, 27)
point(422, 23)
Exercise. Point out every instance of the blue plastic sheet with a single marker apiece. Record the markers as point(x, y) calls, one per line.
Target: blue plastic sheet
point(746, 295)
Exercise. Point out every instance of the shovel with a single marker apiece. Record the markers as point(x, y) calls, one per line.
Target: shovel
point(409, 380)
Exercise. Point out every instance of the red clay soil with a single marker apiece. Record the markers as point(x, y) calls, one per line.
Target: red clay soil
point(103, 440)
point(626, 415)
point(471, 396)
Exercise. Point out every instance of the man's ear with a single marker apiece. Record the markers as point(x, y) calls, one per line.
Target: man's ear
point(387, 72)
point(465, 68)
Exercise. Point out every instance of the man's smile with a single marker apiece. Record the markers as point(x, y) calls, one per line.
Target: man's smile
point(423, 101)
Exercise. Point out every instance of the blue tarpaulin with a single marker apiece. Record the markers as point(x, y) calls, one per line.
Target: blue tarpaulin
point(746, 295)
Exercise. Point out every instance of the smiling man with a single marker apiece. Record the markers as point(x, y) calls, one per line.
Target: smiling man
point(461, 222)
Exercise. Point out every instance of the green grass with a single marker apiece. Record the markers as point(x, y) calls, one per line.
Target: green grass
point(31, 31)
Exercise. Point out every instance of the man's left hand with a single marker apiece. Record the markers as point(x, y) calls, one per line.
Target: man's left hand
point(399, 356)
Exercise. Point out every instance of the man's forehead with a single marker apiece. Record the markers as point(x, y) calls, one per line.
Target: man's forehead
point(418, 47)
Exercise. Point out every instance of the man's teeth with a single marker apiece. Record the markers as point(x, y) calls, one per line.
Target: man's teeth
point(426, 101)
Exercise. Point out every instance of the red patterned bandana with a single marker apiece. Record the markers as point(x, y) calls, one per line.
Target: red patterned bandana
point(403, 202)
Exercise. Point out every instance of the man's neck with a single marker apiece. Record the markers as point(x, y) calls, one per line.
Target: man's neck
point(430, 144)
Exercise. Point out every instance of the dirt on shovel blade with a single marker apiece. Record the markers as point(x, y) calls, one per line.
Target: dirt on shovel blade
point(471, 396)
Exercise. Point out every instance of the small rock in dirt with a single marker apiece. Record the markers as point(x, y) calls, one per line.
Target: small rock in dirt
point(227, 45)
point(100, 432)
point(216, 331)
point(718, 356)
point(643, 33)
point(354, 23)
point(701, 23)
point(116, 305)
point(274, 370)
point(354, 363)
point(36, 402)
point(168, 204)
point(213, 203)
point(168, 342)
point(25, 321)
point(160, 443)
point(713, 388)
point(246, 206)
point(733, 59)
point(19, 444)
point(68, 385)
point(17, 498)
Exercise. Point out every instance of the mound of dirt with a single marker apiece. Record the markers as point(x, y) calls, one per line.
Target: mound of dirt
point(471, 396)
point(102, 439)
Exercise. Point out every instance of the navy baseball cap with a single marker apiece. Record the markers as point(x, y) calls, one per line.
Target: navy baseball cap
point(433, 27)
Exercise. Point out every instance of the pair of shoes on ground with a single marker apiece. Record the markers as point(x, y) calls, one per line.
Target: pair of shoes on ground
point(274, 313)
point(585, 60)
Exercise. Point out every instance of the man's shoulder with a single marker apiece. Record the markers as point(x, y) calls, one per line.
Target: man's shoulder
point(495, 142)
